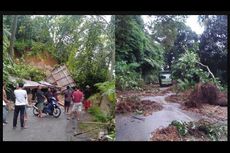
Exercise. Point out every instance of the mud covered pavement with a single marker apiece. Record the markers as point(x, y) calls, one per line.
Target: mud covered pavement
point(133, 127)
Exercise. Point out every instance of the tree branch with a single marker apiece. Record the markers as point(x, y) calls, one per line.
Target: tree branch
point(207, 69)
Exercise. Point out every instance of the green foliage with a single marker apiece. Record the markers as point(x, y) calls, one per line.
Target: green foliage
point(127, 77)
point(7, 61)
point(213, 47)
point(187, 71)
point(138, 57)
point(184, 85)
point(27, 72)
point(37, 48)
point(214, 131)
point(107, 89)
point(98, 114)
point(181, 127)
point(129, 38)
point(90, 57)
point(21, 46)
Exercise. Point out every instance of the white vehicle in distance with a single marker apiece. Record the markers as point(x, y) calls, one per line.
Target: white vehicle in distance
point(165, 78)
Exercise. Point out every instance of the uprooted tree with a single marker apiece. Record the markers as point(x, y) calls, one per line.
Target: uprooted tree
point(206, 93)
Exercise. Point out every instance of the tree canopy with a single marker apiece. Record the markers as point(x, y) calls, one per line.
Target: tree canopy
point(144, 48)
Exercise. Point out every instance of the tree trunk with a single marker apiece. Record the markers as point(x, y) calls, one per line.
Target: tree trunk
point(112, 65)
point(13, 32)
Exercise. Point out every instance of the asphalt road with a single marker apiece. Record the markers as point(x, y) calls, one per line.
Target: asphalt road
point(130, 129)
point(41, 129)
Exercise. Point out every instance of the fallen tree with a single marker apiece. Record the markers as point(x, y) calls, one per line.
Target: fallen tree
point(206, 93)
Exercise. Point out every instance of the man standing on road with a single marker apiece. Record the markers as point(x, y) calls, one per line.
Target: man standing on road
point(68, 98)
point(77, 98)
point(20, 103)
point(40, 99)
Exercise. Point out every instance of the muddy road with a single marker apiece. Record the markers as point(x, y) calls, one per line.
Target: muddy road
point(131, 127)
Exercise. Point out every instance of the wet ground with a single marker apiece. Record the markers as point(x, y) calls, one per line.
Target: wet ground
point(131, 127)
point(42, 129)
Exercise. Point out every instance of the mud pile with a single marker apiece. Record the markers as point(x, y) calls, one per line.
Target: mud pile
point(134, 104)
point(206, 93)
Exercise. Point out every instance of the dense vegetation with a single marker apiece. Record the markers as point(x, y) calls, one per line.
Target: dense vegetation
point(86, 44)
point(138, 60)
point(166, 42)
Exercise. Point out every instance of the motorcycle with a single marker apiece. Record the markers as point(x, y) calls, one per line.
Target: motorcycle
point(50, 108)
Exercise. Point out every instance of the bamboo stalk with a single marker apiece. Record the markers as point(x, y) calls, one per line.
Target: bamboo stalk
point(85, 132)
point(94, 123)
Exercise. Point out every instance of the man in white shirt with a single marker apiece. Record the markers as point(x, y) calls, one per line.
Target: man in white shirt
point(20, 103)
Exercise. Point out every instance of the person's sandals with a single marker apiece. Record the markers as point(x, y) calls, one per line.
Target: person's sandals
point(25, 127)
point(6, 122)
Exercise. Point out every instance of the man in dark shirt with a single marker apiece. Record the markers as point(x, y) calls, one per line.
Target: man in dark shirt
point(40, 99)
point(49, 95)
point(68, 98)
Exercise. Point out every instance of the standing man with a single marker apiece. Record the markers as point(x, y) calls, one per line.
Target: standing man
point(78, 98)
point(5, 103)
point(20, 103)
point(40, 99)
point(68, 98)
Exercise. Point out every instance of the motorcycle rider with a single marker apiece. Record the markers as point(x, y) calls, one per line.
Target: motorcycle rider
point(40, 99)
point(50, 105)
point(49, 95)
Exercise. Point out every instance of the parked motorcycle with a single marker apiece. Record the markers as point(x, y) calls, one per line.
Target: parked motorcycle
point(50, 108)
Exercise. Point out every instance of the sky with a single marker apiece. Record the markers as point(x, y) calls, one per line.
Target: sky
point(191, 21)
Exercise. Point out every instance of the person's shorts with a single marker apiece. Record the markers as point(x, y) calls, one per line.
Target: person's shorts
point(77, 107)
point(40, 106)
point(67, 103)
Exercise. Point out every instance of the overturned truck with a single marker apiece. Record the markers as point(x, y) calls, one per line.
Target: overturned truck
point(60, 76)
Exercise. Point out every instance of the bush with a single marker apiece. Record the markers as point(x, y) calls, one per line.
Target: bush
point(127, 77)
point(188, 72)
point(213, 131)
point(98, 114)
point(37, 47)
point(107, 89)
point(27, 72)
point(21, 46)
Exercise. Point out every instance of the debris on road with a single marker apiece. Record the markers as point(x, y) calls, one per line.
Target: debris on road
point(139, 118)
point(169, 133)
point(134, 104)
point(202, 130)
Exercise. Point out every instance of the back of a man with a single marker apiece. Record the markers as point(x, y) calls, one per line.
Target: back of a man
point(77, 96)
point(68, 99)
point(20, 103)
point(20, 96)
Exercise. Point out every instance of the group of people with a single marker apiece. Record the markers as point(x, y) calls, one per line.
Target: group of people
point(73, 103)
point(74, 100)
point(43, 97)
